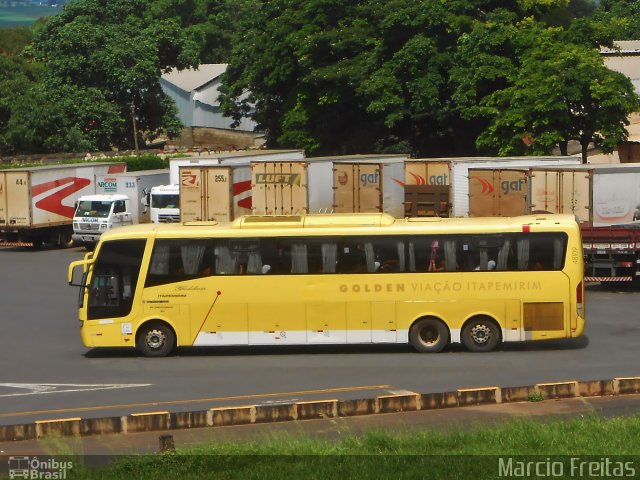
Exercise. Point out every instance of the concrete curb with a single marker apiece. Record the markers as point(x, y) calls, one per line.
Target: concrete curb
point(254, 414)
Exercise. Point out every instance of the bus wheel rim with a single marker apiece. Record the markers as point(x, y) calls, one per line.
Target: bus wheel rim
point(480, 334)
point(429, 335)
point(155, 339)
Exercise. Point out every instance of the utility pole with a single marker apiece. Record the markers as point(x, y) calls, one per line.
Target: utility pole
point(135, 127)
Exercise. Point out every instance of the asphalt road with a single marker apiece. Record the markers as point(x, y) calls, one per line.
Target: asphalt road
point(46, 373)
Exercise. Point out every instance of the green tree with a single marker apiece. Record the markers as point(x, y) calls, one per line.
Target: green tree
point(48, 118)
point(561, 92)
point(339, 77)
point(13, 40)
point(296, 69)
point(620, 17)
point(113, 52)
point(17, 76)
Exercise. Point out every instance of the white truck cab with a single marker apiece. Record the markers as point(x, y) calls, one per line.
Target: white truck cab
point(165, 204)
point(98, 213)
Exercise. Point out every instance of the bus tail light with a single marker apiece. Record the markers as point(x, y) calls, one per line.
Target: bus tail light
point(579, 301)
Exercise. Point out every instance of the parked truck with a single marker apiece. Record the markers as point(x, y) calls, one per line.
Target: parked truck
point(121, 199)
point(164, 204)
point(37, 204)
point(604, 198)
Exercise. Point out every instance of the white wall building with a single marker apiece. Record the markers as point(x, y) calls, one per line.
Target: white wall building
point(196, 94)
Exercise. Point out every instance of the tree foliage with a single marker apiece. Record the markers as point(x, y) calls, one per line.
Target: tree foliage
point(115, 51)
point(421, 77)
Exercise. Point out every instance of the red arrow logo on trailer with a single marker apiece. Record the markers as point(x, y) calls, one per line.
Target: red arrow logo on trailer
point(487, 187)
point(53, 202)
point(241, 187)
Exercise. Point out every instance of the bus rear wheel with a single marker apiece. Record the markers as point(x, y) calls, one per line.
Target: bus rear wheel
point(156, 340)
point(428, 335)
point(480, 335)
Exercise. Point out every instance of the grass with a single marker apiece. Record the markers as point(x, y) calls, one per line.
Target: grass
point(476, 453)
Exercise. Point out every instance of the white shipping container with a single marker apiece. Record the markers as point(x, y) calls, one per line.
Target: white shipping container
point(357, 183)
point(240, 157)
point(599, 195)
point(460, 173)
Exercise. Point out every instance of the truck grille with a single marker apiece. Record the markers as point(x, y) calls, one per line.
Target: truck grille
point(90, 226)
point(168, 218)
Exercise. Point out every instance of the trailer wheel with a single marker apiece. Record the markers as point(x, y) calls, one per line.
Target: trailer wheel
point(481, 334)
point(36, 243)
point(155, 340)
point(428, 335)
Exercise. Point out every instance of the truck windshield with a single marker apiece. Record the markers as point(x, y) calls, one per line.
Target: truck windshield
point(165, 201)
point(93, 208)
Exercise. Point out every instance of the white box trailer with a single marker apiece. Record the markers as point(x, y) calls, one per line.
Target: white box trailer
point(347, 183)
point(240, 157)
point(37, 203)
point(460, 173)
point(357, 183)
point(215, 192)
point(600, 195)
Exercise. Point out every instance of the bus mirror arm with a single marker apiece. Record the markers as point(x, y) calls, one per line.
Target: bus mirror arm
point(85, 269)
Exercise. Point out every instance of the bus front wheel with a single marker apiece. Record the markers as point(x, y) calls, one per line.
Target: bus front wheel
point(480, 335)
point(156, 340)
point(428, 335)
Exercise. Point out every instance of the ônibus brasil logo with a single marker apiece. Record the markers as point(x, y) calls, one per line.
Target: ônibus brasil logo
point(33, 467)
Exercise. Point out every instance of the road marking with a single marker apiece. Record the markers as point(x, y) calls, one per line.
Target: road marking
point(43, 388)
point(199, 400)
point(401, 392)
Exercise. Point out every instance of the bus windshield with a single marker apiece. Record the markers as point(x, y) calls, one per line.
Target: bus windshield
point(165, 200)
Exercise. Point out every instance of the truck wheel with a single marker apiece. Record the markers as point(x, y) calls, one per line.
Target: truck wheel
point(155, 340)
point(428, 335)
point(66, 239)
point(481, 334)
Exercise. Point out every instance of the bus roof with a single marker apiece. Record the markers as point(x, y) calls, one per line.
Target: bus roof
point(343, 224)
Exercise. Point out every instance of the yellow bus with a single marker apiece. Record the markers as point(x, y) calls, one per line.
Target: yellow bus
point(333, 279)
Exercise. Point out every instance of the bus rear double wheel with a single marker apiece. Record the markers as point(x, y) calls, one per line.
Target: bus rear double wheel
point(429, 335)
point(155, 340)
